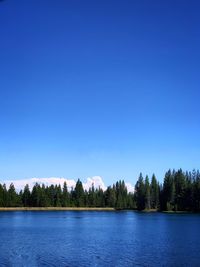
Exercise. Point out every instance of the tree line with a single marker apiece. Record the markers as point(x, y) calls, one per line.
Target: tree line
point(180, 191)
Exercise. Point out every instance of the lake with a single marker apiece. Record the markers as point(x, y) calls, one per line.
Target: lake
point(90, 238)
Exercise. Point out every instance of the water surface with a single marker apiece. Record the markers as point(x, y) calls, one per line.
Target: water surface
point(90, 238)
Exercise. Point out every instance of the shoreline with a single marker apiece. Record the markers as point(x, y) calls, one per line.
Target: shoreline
point(87, 209)
point(55, 209)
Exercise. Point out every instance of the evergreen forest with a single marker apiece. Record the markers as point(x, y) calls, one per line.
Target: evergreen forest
point(180, 191)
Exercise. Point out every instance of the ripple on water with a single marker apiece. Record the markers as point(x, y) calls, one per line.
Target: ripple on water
point(99, 239)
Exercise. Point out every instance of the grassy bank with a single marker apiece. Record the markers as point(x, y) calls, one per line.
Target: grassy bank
point(54, 208)
point(83, 209)
point(178, 211)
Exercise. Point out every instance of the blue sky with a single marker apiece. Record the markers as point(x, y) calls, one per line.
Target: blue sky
point(107, 88)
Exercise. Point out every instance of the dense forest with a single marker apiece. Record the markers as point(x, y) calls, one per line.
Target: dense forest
point(180, 191)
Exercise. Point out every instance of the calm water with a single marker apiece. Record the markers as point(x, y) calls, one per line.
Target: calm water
point(65, 238)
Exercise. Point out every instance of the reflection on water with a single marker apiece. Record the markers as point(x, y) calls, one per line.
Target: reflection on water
point(83, 238)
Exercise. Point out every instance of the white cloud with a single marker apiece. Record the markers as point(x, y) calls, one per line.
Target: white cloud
point(97, 181)
point(19, 184)
point(130, 187)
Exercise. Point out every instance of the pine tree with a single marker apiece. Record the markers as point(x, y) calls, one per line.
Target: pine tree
point(147, 194)
point(180, 183)
point(12, 196)
point(92, 196)
point(196, 190)
point(58, 196)
point(43, 196)
point(140, 193)
point(65, 196)
point(168, 194)
point(99, 198)
point(79, 194)
point(131, 201)
point(110, 196)
point(189, 200)
point(51, 194)
point(35, 196)
point(1, 196)
point(26, 196)
point(154, 189)
point(5, 196)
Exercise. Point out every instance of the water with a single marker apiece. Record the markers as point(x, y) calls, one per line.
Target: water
point(85, 238)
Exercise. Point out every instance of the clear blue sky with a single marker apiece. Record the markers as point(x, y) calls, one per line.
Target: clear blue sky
point(107, 88)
